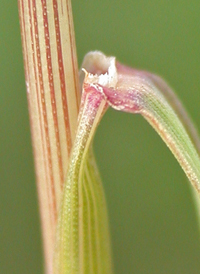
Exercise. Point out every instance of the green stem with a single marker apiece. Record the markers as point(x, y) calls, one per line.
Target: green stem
point(83, 244)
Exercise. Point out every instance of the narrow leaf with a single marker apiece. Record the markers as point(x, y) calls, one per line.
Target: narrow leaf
point(147, 94)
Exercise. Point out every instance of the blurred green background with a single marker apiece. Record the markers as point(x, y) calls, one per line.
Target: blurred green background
point(152, 214)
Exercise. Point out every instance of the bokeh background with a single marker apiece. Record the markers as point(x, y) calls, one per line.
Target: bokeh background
point(152, 215)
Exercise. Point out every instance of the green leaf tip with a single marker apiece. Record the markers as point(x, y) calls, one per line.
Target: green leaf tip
point(82, 244)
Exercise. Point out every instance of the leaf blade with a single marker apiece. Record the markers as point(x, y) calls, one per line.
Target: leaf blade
point(140, 92)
